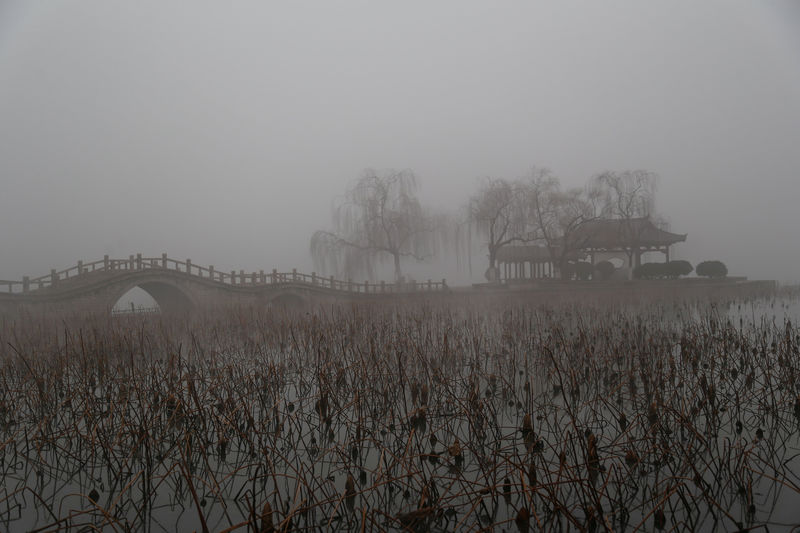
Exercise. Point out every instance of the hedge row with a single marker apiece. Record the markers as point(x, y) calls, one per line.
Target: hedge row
point(673, 269)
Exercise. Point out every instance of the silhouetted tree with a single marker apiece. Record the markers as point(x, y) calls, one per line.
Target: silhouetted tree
point(380, 218)
point(497, 212)
point(627, 196)
point(559, 215)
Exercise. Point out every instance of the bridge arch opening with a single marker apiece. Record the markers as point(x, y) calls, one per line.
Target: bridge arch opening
point(136, 300)
point(152, 297)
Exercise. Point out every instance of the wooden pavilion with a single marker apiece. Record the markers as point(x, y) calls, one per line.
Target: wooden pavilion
point(595, 240)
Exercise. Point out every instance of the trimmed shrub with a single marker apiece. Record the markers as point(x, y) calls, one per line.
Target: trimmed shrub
point(649, 271)
point(604, 269)
point(673, 269)
point(676, 269)
point(712, 269)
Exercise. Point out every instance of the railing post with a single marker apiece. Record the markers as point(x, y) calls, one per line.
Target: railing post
point(383, 286)
point(349, 285)
point(163, 260)
point(26, 283)
point(138, 261)
point(444, 284)
point(80, 267)
point(430, 286)
point(294, 274)
point(262, 278)
point(366, 286)
point(211, 272)
point(105, 262)
point(53, 276)
point(130, 262)
point(332, 283)
point(233, 277)
point(274, 275)
point(253, 278)
point(241, 277)
point(313, 278)
point(188, 266)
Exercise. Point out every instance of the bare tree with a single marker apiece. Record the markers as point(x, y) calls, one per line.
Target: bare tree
point(497, 212)
point(379, 218)
point(628, 197)
point(559, 217)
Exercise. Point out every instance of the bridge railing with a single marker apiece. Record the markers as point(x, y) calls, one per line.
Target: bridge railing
point(233, 278)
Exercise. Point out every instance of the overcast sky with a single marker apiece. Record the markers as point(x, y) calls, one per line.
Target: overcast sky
point(222, 131)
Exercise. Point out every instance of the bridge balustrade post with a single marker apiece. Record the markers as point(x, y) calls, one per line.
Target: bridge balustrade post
point(333, 283)
point(313, 278)
point(241, 277)
point(130, 262)
point(349, 284)
point(105, 262)
point(138, 261)
point(383, 286)
point(188, 266)
point(294, 274)
point(211, 272)
point(163, 260)
point(26, 283)
point(80, 267)
point(430, 286)
point(444, 284)
point(366, 286)
point(262, 278)
point(53, 277)
point(274, 275)
point(253, 278)
point(233, 277)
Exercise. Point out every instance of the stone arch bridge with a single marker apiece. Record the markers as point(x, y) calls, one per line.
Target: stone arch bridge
point(182, 286)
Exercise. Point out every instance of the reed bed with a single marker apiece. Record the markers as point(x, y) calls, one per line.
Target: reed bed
point(674, 417)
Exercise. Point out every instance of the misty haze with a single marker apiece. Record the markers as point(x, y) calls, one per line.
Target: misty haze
point(363, 266)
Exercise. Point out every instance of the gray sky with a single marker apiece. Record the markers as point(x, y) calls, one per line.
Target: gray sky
point(222, 131)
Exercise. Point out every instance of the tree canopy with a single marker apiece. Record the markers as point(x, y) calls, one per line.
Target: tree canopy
point(379, 219)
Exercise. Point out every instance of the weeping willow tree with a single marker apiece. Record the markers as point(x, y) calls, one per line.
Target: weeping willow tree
point(379, 220)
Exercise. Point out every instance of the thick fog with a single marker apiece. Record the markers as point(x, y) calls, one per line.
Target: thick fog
point(224, 131)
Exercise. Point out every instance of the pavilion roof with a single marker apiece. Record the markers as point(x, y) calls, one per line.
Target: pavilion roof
point(601, 234)
point(615, 233)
